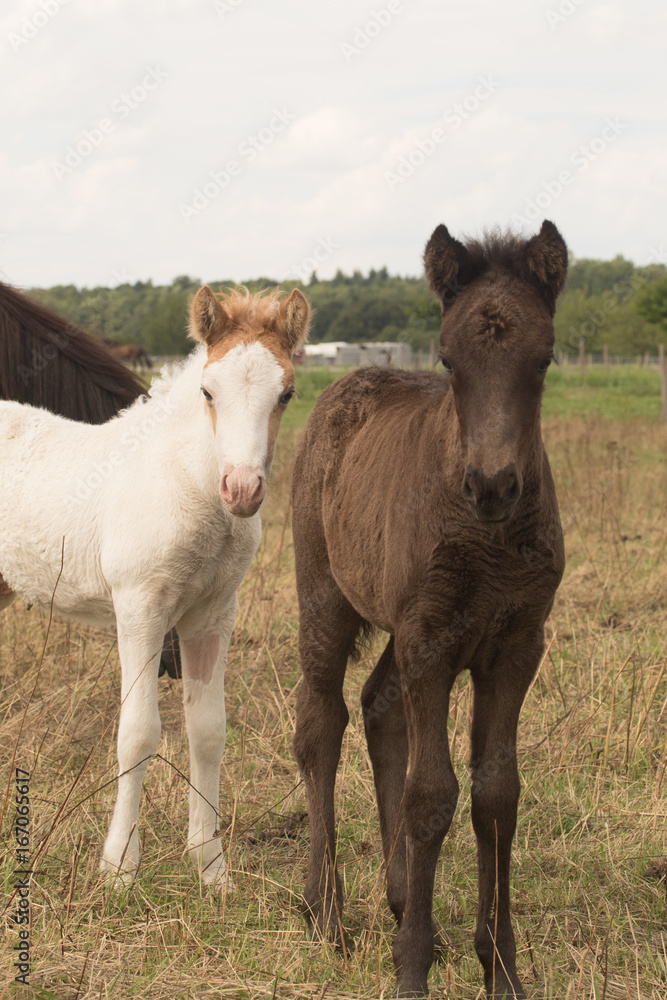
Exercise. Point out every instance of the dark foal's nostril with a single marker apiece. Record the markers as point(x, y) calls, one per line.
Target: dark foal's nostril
point(491, 493)
point(507, 484)
point(473, 485)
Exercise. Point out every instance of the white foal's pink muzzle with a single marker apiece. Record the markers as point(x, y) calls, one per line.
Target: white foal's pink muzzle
point(242, 490)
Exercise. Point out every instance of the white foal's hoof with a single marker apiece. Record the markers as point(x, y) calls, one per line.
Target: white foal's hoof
point(216, 874)
point(222, 882)
point(119, 878)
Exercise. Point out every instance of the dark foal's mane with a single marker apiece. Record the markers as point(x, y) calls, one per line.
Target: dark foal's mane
point(47, 361)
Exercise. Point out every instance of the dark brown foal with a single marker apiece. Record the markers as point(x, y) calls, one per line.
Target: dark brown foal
point(424, 506)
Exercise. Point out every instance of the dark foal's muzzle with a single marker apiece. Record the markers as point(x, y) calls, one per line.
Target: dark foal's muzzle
point(492, 497)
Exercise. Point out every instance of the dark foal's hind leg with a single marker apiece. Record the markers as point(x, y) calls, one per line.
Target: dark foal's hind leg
point(499, 695)
point(328, 627)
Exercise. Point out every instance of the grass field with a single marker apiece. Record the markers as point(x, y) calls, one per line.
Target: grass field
point(592, 753)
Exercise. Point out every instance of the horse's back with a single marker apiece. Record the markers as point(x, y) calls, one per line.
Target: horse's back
point(360, 464)
point(345, 408)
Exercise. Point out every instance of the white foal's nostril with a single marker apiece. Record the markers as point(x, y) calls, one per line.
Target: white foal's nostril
point(242, 489)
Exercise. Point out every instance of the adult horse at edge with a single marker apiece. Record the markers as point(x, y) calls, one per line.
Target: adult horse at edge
point(132, 354)
point(46, 360)
point(424, 505)
point(164, 538)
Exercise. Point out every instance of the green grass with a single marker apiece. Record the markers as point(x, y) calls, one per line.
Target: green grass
point(617, 392)
point(309, 384)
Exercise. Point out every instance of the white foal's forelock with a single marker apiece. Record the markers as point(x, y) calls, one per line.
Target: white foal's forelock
point(246, 385)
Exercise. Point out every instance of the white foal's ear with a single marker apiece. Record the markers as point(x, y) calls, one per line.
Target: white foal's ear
point(208, 319)
point(295, 313)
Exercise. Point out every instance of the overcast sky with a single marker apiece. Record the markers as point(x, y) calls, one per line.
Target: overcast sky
point(238, 138)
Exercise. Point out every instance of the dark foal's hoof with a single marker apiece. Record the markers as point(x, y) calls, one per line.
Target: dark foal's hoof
point(505, 989)
point(170, 659)
point(404, 993)
point(326, 929)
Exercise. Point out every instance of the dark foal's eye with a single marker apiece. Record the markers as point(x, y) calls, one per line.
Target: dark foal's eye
point(285, 398)
point(207, 395)
point(446, 365)
point(545, 364)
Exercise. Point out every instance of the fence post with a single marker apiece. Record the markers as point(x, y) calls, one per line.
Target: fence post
point(431, 353)
point(605, 355)
point(582, 355)
point(663, 382)
point(420, 356)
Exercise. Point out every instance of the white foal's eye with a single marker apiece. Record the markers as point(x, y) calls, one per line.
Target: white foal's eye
point(207, 395)
point(285, 398)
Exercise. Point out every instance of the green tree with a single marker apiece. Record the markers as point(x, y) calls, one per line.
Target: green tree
point(652, 303)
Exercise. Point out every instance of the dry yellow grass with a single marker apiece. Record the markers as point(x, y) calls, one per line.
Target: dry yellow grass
point(593, 757)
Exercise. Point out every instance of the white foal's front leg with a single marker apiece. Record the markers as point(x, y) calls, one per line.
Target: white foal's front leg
point(203, 659)
point(139, 645)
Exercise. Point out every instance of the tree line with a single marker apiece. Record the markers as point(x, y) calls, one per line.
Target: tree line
point(612, 302)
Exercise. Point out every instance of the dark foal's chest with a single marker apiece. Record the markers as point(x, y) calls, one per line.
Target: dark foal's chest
point(474, 596)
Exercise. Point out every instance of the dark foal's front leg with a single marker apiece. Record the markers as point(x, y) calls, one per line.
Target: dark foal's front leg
point(499, 694)
point(387, 738)
point(327, 630)
point(429, 802)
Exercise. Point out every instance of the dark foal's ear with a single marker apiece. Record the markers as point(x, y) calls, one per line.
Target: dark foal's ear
point(448, 265)
point(208, 319)
point(546, 258)
point(295, 315)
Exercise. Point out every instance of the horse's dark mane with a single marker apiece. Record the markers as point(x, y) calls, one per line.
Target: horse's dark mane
point(47, 361)
point(496, 249)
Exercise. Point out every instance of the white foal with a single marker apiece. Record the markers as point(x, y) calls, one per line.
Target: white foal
point(150, 522)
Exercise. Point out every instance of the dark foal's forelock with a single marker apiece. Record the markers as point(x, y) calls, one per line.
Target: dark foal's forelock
point(424, 506)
